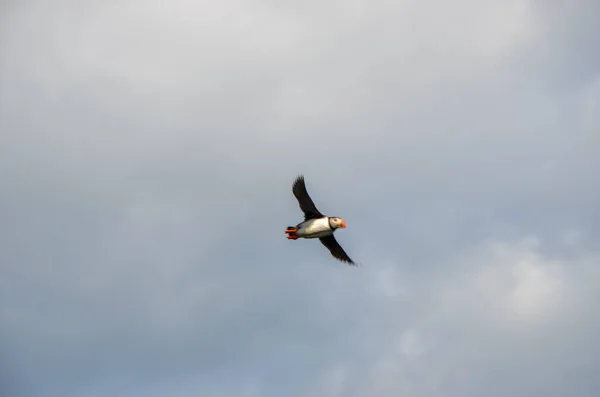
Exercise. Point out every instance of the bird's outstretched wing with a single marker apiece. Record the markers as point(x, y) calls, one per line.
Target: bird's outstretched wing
point(306, 204)
point(336, 249)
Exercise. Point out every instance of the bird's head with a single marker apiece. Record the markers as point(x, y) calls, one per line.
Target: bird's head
point(336, 222)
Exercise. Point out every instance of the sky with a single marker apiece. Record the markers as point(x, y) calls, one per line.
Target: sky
point(147, 155)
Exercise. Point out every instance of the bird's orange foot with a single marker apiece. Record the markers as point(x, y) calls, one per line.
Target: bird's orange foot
point(292, 237)
point(291, 230)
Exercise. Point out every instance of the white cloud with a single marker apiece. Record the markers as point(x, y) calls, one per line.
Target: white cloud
point(591, 109)
point(148, 153)
point(494, 307)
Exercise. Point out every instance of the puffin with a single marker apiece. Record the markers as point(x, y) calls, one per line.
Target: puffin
point(316, 225)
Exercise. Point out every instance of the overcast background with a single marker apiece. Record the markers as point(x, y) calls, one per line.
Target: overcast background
point(147, 153)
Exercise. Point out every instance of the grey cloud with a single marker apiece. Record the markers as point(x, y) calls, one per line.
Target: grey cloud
point(146, 164)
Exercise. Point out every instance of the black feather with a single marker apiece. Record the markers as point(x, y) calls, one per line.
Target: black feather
point(306, 204)
point(336, 249)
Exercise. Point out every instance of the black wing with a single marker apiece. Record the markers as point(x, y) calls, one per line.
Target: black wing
point(306, 204)
point(336, 249)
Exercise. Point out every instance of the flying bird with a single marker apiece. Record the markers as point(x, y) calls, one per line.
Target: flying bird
point(316, 225)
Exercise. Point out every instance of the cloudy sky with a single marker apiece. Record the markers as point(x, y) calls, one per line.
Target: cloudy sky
point(147, 153)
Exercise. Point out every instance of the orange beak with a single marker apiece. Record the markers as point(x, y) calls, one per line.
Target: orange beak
point(343, 224)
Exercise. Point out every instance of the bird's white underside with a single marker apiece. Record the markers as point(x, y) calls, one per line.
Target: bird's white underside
point(314, 228)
